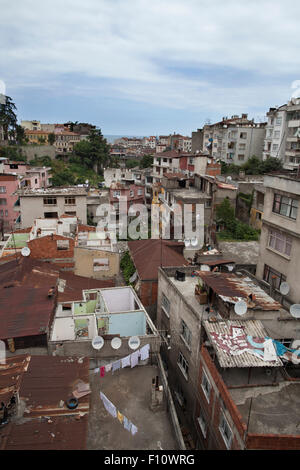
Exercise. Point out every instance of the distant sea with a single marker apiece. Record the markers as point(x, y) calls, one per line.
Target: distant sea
point(111, 138)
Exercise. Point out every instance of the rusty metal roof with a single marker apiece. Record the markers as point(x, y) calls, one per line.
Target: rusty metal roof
point(252, 328)
point(43, 384)
point(76, 284)
point(231, 288)
point(25, 311)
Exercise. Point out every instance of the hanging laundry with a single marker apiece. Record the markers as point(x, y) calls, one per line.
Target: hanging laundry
point(102, 371)
point(96, 370)
point(134, 429)
point(127, 424)
point(108, 367)
point(134, 358)
point(145, 352)
point(116, 365)
point(120, 417)
point(125, 361)
point(108, 405)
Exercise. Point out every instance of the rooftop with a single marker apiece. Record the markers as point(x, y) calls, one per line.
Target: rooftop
point(130, 391)
point(40, 419)
point(232, 288)
point(65, 191)
point(157, 253)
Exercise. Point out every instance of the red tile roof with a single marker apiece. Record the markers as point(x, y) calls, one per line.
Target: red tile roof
point(149, 255)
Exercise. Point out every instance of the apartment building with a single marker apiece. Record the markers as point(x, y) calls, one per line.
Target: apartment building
point(275, 139)
point(52, 203)
point(65, 140)
point(36, 136)
point(234, 140)
point(280, 234)
point(8, 214)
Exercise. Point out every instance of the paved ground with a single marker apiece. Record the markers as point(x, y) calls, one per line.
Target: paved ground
point(130, 391)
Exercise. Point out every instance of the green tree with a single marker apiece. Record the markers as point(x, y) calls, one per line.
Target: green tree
point(8, 118)
point(51, 138)
point(131, 163)
point(146, 161)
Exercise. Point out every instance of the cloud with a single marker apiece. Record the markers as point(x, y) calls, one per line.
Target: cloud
point(145, 51)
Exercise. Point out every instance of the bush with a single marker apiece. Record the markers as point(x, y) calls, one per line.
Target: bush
point(127, 267)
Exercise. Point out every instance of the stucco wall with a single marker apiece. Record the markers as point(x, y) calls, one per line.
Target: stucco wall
point(84, 263)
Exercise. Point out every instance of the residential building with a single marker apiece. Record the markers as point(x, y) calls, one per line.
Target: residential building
point(133, 192)
point(257, 208)
point(197, 141)
point(234, 140)
point(52, 203)
point(148, 256)
point(65, 140)
point(31, 125)
point(189, 303)
point(37, 136)
point(8, 215)
point(275, 139)
point(280, 231)
point(106, 312)
point(36, 177)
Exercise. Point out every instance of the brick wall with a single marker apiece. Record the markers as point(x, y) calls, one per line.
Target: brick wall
point(45, 248)
point(272, 442)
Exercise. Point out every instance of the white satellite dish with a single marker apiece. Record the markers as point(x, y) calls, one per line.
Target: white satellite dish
point(187, 242)
point(98, 342)
point(25, 251)
point(134, 342)
point(116, 343)
point(240, 307)
point(229, 178)
point(295, 310)
point(194, 241)
point(284, 288)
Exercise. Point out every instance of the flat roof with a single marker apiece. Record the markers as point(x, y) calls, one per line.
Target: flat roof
point(129, 389)
point(66, 191)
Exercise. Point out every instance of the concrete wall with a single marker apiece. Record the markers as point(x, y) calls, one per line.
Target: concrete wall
point(33, 151)
point(84, 263)
point(179, 310)
point(32, 207)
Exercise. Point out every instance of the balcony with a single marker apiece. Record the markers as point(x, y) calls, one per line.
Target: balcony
point(294, 123)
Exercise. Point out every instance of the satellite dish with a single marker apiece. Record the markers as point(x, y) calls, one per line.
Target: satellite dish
point(187, 242)
point(98, 342)
point(194, 242)
point(295, 310)
point(134, 342)
point(240, 307)
point(116, 343)
point(229, 178)
point(284, 288)
point(25, 251)
point(229, 267)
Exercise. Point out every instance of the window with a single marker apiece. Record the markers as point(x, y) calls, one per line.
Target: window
point(276, 134)
point(1, 212)
point(225, 431)
point(71, 213)
point(206, 385)
point(285, 206)
point(207, 204)
point(35, 181)
point(202, 423)
point(185, 333)
point(2, 189)
point(70, 201)
point(101, 264)
point(183, 365)
point(6, 213)
point(273, 277)
point(140, 192)
point(243, 135)
point(50, 215)
point(242, 146)
point(275, 147)
point(191, 161)
point(165, 305)
point(117, 193)
point(280, 242)
point(278, 121)
point(62, 244)
point(50, 201)
point(131, 193)
point(241, 157)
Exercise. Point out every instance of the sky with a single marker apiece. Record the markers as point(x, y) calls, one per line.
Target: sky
point(135, 67)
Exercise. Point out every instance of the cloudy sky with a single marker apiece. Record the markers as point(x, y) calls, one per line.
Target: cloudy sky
point(146, 68)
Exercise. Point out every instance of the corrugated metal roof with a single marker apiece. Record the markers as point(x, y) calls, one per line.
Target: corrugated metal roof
point(25, 311)
point(232, 288)
point(42, 383)
point(252, 328)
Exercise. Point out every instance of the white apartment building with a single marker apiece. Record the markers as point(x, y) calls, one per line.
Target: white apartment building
point(274, 144)
point(234, 140)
